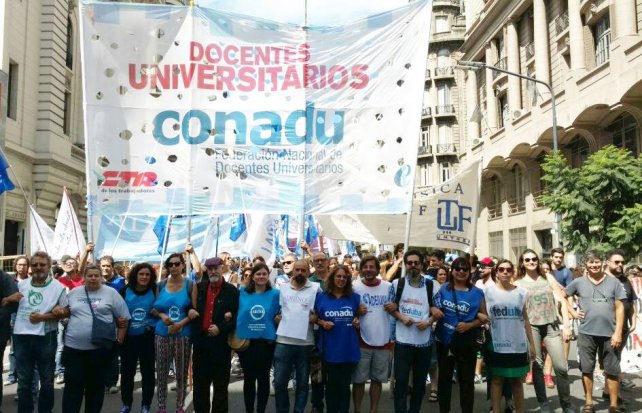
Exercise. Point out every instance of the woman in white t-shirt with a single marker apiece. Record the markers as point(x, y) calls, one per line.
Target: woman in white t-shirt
point(511, 345)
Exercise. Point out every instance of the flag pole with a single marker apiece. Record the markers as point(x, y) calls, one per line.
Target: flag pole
point(165, 240)
point(218, 229)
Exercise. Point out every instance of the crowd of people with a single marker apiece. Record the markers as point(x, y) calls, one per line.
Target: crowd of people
point(328, 325)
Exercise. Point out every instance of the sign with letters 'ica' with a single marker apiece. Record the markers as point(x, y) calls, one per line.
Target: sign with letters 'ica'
point(443, 216)
point(190, 110)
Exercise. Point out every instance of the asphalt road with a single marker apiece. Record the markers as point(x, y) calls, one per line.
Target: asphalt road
point(112, 403)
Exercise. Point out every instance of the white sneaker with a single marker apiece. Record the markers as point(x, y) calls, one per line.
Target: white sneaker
point(113, 390)
point(60, 379)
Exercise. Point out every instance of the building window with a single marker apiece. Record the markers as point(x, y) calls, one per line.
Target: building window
point(518, 182)
point(625, 133)
point(444, 132)
point(517, 243)
point(441, 24)
point(12, 93)
point(504, 110)
point(445, 171)
point(496, 244)
point(443, 95)
point(424, 174)
point(443, 58)
point(602, 37)
point(66, 116)
point(424, 139)
point(578, 151)
point(69, 57)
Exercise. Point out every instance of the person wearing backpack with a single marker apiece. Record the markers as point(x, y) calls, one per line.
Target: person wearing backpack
point(413, 295)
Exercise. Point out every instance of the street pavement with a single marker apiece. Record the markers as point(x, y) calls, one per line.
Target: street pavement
point(112, 401)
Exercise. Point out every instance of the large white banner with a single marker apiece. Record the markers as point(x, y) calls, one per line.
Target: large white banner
point(443, 216)
point(68, 238)
point(195, 111)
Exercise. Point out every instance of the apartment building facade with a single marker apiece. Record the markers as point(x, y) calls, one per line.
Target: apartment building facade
point(590, 52)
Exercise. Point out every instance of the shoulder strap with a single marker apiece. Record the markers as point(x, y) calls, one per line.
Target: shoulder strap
point(456, 305)
point(429, 291)
point(400, 285)
point(91, 308)
point(188, 290)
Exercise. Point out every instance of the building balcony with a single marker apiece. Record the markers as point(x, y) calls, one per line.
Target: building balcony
point(561, 23)
point(537, 200)
point(445, 149)
point(516, 206)
point(445, 72)
point(426, 113)
point(444, 110)
point(424, 151)
point(456, 34)
point(494, 211)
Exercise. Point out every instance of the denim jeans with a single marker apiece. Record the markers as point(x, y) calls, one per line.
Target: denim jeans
point(60, 369)
point(407, 357)
point(288, 357)
point(550, 335)
point(31, 350)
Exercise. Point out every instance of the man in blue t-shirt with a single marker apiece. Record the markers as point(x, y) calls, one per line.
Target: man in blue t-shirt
point(562, 274)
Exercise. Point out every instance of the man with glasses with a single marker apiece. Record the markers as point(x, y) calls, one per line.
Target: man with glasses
point(287, 264)
point(35, 332)
point(413, 297)
point(601, 315)
point(615, 266)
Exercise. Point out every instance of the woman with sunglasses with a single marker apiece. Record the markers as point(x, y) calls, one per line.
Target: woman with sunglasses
point(258, 306)
point(338, 338)
point(545, 327)
point(511, 345)
point(174, 307)
point(463, 307)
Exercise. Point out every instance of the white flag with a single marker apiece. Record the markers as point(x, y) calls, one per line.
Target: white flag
point(68, 236)
point(260, 235)
point(41, 235)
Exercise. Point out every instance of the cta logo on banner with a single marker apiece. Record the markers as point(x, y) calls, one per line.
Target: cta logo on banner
point(196, 111)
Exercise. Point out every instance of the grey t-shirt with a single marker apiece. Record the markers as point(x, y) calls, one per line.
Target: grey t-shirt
point(598, 303)
point(107, 304)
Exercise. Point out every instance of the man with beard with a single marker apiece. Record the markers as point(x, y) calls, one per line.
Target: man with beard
point(35, 331)
point(295, 338)
point(217, 302)
point(413, 297)
point(615, 267)
point(374, 334)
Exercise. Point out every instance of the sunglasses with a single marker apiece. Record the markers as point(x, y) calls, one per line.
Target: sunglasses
point(413, 262)
point(531, 259)
point(174, 264)
point(288, 262)
point(504, 269)
point(460, 269)
point(618, 262)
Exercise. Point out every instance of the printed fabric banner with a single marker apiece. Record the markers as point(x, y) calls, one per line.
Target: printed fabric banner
point(192, 111)
point(443, 216)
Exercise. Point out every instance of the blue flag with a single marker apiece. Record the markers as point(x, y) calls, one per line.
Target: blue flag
point(159, 229)
point(352, 250)
point(238, 227)
point(311, 232)
point(5, 182)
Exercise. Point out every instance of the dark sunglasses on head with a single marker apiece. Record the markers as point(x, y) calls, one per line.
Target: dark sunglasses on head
point(531, 259)
point(174, 264)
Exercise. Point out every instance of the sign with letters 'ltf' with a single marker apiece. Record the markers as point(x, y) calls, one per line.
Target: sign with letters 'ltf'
point(194, 111)
point(443, 216)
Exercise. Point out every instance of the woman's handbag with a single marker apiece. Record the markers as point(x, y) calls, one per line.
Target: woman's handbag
point(103, 333)
point(237, 344)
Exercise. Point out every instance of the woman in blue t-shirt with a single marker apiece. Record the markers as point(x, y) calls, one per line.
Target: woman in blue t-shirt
point(174, 307)
point(258, 305)
point(338, 339)
point(139, 294)
point(463, 308)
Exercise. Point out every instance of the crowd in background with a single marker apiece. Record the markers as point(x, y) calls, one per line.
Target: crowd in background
point(324, 326)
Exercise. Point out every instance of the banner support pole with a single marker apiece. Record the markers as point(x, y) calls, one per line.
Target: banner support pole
point(218, 228)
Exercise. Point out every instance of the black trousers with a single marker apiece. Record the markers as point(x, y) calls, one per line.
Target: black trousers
point(465, 377)
point(84, 378)
point(211, 369)
point(137, 349)
point(256, 362)
point(338, 377)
